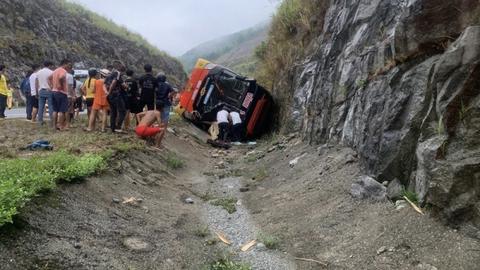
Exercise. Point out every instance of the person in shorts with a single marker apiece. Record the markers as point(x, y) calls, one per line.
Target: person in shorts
point(147, 128)
point(164, 95)
point(132, 98)
point(88, 89)
point(34, 90)
point(59, 83)
point(100, 103)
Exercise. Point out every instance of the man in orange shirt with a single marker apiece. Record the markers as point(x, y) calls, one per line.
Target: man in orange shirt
point(58, 80)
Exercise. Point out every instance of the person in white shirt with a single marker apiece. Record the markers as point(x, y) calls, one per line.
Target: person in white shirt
point(45, 95)
point(34, 93)
point(223, 124)
point(237, 127)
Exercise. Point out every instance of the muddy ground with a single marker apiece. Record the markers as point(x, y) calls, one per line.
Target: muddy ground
point(305, 207)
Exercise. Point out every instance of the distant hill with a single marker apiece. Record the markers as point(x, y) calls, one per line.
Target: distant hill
point(36, 30)
point(234, 51)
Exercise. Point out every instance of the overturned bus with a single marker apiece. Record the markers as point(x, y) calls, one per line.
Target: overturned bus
point(212, 87)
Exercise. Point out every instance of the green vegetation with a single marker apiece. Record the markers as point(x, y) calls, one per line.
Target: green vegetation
point(412, 196)
point(295, 24)
point(226, 264)
point(226, 203)
point(22, 179)
point(202, 231)
point(109, 26)
point(270, 241)
point(235, 51)
point(174, 162)
point(261, 174)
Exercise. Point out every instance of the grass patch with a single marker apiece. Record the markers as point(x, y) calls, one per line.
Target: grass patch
point(261, 174)
point(226, 264)
point(226, 203)
point(202, 231)
point(207, 197)
point(412, 196)
point(270, 241)
point(23, 179)
point(174, 162)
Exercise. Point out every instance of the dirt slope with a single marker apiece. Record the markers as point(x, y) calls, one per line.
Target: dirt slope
point(306, 206)
point(83, 226)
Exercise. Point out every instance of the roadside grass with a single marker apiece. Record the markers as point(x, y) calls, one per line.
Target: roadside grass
point(76, 155)
point(225, 263)
point(23, 179)
point(270, 241)
point(227, 203)
point(174, 162)
point(260, 174)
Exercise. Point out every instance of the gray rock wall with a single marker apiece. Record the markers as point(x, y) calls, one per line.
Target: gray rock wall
point(398, 81)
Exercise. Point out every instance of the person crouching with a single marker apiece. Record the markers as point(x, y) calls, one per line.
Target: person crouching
point(223, 124)
point(237, 127)
point(149, 126)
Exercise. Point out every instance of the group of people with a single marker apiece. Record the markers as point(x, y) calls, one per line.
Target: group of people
point(112, 91)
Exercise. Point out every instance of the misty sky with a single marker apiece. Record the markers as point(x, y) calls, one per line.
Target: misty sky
point(176, 26)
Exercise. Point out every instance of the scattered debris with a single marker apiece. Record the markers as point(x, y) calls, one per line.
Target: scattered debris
point(426, 266)
point(223, 238)
point(77, 245)
point(244, 189)
point(366, 187)
point(249, 245)
point(350, 159)
point(294, 161)
point(189, 201)
point(38, 145)
point(395, 189)
point(400, 204)
point(312, 260)
point(132, 201)
point(135, 244)
point(261, 246)
point(271, 149)
point(414, 206)
point(115, 200)
point(381, 250)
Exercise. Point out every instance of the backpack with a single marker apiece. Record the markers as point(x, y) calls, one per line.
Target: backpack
point(25, 86)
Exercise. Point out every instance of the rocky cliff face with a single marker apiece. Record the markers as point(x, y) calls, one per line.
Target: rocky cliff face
point(399, 81)
point(35, 30)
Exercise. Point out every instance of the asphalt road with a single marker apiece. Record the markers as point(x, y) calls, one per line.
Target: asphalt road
point(16, 113)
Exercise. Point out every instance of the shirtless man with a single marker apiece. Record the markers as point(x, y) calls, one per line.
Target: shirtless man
point(147, 128)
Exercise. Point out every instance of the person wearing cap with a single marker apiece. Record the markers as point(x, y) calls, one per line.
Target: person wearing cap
point(100, 103)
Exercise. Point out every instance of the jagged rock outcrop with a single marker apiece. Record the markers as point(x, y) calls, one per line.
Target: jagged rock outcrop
point(35, 30)
point(398, 81)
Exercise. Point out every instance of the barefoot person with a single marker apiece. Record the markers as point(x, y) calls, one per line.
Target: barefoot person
point(147, 128)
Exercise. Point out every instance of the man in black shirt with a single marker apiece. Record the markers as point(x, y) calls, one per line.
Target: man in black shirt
point(132, 97)
point(116, 97)
point(148, 85)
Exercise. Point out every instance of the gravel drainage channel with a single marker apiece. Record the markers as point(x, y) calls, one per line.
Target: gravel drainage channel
point(239, 229)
